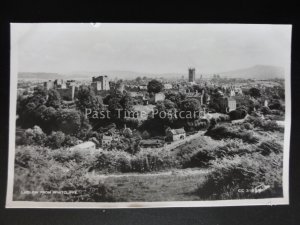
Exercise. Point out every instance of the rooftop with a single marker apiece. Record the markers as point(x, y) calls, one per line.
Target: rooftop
point(178, 131)
point(106, 137)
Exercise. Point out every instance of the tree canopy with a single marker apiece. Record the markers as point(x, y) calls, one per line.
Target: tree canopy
point(154, 86)
point(254, 92)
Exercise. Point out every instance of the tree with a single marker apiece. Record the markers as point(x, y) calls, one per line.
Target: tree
point(54, 99)
point(39, 96)
point(145, 135)
point(115, 108)
point(126, 102)
point(197, 88)
point(138, 79)
point(70, 141)
point(86, 99)
point(26, 115)
point(155, 86)
point(56, 139)
point(254, 92)
point(265, 110)
point(68, 121)
point(276, 104)
point(177, 98)
point(166, 114)
point(190, 107)
point(34, 136)
point(37, 114)
point(127, 132)
point(237, 114)
point(48, 119)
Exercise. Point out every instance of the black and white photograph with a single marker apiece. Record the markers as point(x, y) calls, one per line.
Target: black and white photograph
point(149, 115)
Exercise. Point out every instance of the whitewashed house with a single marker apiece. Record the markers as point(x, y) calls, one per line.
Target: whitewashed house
point(106, 141)
point(176, 134)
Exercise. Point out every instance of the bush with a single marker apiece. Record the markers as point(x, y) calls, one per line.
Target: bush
point(145, 135)
point(276, 105)
point(277, 112)
point(247, 126)
point(147, 161)
point(25, 156)
point(200, 159)
point(237, 114)
point(224, 118)
point(267, 147)
point(231, 175)
point(70, 141)
point(113, 161)
point(127, 132)
point(212, 122)
point(222, 132)
point(89, 190)
point(34, 136)
point(56, 139)
point(143, 161)
point(41, 169)
point(229, 148)
point(266, 125)
point(265, 110)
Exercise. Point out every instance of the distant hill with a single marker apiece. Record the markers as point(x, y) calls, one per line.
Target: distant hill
point(39, 76)
point(256, 72)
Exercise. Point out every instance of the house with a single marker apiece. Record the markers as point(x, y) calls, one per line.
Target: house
point(106, 141)
point(49, 84)
point(135, 94)
point(143, 87)
point(232, 92)
point(142, 112)
point(70, 83)
point(266, 103)
point(238, 91)
point(176, 134)
point(159, 97)
point(227, 104)
point(168, 86)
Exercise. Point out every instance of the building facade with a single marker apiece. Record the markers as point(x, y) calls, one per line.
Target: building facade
point(159, 97)
point(100, 83)
point(228, 104)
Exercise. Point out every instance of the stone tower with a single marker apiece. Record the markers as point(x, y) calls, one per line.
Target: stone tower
point(192, 75)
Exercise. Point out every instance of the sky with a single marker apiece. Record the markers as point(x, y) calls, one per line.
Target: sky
point(148, 48)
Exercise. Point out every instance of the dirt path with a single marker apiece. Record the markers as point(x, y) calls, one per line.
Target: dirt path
point(176, 172)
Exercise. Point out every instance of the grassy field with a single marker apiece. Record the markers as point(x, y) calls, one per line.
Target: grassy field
point(176, 185)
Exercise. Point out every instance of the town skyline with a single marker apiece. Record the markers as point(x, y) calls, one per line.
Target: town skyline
point(254, 72)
